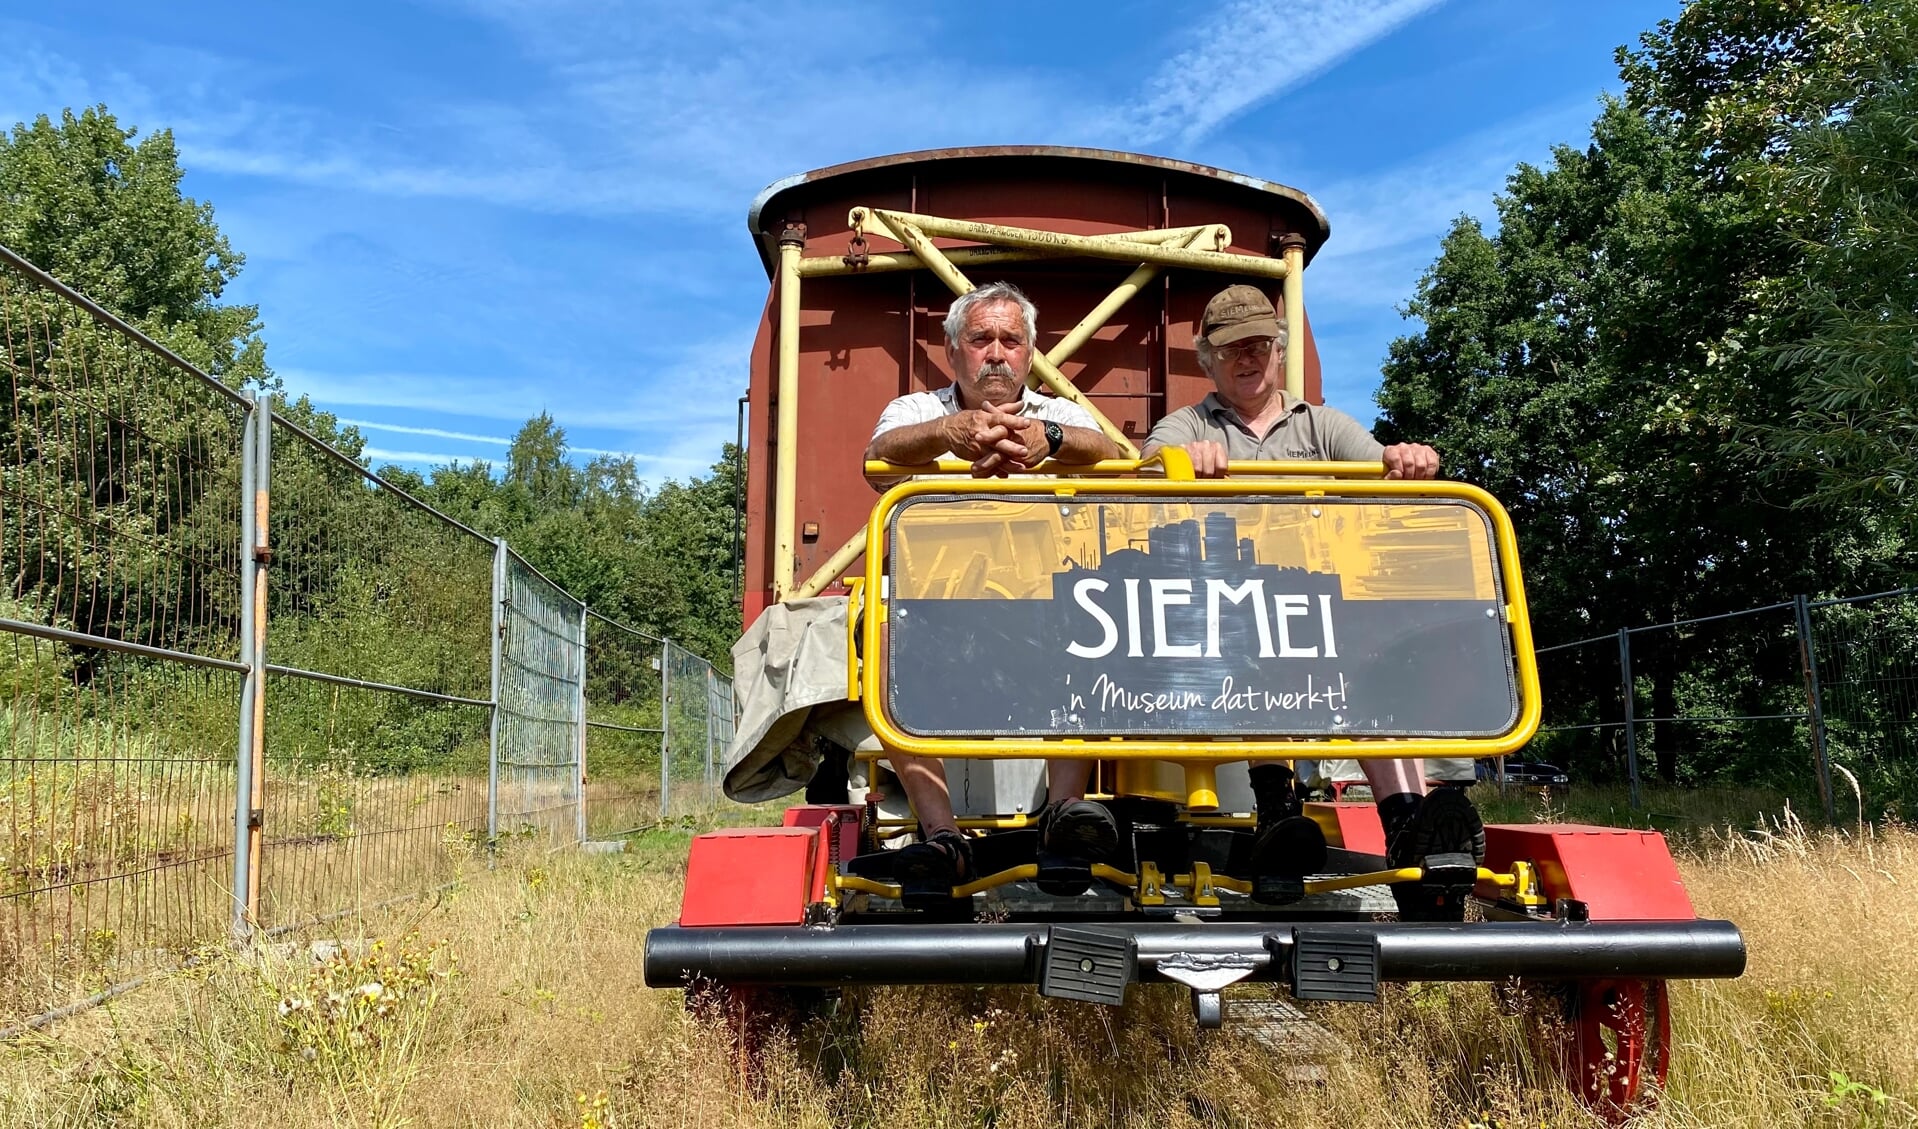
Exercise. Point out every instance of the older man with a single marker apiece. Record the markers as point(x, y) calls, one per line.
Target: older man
point(988, 415)
point(1241, 345)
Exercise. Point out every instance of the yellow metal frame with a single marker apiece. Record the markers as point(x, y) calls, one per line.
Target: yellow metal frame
point(1201, 246)
point(1197, 755)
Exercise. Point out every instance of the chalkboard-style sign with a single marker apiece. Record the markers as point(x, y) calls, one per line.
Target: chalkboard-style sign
point(1132, 616)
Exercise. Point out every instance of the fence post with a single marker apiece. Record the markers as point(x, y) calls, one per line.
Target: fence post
point(712, 692)
point(1629, 693)
point(665, 724)
point(243, 751)
point(1814, 705)
point(580, 773)
point(492, 733)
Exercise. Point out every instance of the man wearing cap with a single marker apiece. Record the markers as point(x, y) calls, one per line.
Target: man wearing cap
point(1241, 345)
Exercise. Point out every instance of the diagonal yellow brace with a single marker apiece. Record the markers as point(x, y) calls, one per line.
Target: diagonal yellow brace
point(943, 269)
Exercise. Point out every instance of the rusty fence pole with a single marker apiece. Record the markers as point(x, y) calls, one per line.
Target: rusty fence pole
point(1628, 693)
point(262, 558)
point(242, 926)
point(665, 724)
point(579, 765)
point(492, 731)
point(1814, 704)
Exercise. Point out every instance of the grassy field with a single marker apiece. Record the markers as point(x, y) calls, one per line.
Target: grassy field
point(515, 1000)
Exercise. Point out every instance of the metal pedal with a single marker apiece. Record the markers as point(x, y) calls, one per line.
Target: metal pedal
point(1335, 964)
point(1093, 965)
point(1277, 890)
point(1063, 877)
point(1451, 870)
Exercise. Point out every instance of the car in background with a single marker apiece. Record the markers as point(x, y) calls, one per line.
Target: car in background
point(1526, 774)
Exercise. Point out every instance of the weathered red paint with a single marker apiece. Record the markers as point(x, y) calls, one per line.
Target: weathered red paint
point(865, 340)
point(749, 876)
point(1620, 874)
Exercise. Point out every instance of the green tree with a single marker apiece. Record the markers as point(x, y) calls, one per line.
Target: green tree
point(80, 200)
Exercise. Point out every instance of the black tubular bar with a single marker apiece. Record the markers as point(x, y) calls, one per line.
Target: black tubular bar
point(1012, 953)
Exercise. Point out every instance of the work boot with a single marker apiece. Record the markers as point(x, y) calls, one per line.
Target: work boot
point(1073, 834)
point(1443, 834)
point(1287, 845)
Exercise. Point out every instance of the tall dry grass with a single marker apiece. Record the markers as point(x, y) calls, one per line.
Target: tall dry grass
point(536, 1017)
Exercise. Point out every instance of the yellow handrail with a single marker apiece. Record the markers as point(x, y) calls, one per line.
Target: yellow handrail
point(1164, 458)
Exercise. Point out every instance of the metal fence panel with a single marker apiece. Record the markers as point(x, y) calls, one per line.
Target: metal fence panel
point(541, 660)
point(1867, 656)
point(623, 728)
point(377, 700)
point(119, 544)
point(423, 687)
point(697, 735)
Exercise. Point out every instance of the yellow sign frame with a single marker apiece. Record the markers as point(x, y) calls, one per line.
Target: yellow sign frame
point(1352, 480)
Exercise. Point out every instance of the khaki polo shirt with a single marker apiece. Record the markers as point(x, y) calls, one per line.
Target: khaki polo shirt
point(1305, 432)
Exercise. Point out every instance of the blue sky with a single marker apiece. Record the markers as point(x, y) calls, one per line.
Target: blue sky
point(459, 213)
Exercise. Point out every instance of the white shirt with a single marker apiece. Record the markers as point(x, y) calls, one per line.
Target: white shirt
point(919, 407)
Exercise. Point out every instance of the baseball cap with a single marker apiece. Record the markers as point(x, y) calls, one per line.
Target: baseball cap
point(1236, 313)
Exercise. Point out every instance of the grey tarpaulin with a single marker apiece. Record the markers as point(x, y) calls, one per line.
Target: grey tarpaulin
point(789, 671)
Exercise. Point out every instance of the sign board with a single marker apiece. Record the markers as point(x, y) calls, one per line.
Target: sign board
point(1161, 616)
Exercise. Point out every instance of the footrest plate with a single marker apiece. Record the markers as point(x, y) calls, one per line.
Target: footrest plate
point(1335, 964)
point(1451, 870)
point(1093, 965)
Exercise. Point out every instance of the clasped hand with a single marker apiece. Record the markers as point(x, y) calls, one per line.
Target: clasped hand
point(997, 440)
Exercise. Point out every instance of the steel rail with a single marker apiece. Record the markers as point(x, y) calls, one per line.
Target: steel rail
point(145, 650)
point(113, 321)
point(384, 687)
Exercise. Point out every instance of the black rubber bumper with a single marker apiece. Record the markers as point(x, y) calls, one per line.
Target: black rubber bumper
point(1012, 953)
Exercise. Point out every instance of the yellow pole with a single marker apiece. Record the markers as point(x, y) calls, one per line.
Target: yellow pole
point(1214, 235)
point(841, 560)
point(1292, 249)
point(792, 244)
point(943, 269)
point(1088, 246)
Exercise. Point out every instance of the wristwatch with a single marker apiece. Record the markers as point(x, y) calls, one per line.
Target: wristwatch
point(1055, 438)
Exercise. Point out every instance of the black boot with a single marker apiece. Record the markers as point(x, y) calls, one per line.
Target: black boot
point(1073, 834)
point(1441, 832)
point(1287, 845)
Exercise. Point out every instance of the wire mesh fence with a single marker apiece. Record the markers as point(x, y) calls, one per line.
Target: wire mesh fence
point(120, 503)
point(540, 736)
point(246, 684)
point(623, 732)
point(1770, 698)
point(1866, 655)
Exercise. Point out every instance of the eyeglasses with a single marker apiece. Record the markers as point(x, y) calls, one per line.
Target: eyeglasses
point(1258, 350)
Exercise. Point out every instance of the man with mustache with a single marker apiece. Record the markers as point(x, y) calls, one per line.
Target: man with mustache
point(1241, 345)
point(988, 415)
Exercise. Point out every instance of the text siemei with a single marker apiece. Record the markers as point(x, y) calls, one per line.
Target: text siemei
point(1270, 617)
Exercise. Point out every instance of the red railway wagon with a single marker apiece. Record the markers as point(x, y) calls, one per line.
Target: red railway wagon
point(866, 335)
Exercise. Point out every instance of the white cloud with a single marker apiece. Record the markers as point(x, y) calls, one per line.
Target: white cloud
point(379, 455)
point(1249, 50)
point(433, 432)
